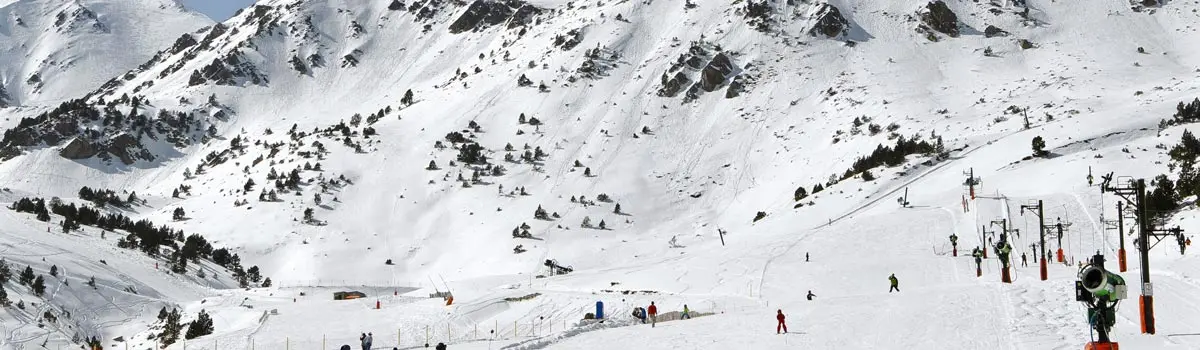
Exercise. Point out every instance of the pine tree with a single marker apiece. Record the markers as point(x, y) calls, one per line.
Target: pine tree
point(1039, 146)
point(603, 226)
point(202, 326)
point(162, 314)
point(133, 198)
point(3, 297)
point(587, 222)
point(5, 272)
point(521, 119)
point(175, 193)
point(253, 274)
point(54, 270)
point(587, 172)
point(26, 277)
point(408, 98)
point(171, 328)
point(39, 286)
point(178, 214)
point(317, 198)
point(266, 282)
point(308, 214)
point(432, 166)
point(617, 209)
point(800, 194)
point(248, 186)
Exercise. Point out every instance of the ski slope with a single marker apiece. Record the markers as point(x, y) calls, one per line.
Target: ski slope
point(710, 163)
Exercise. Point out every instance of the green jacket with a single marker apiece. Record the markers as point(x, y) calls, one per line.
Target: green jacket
point(893, 280)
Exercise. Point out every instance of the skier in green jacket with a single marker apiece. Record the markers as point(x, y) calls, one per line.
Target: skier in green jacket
point(895, 283)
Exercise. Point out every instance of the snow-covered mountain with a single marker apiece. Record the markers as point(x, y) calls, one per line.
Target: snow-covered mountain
point(55, 50)
point(344, 143)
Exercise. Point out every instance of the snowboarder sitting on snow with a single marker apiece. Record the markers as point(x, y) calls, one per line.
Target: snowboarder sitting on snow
point(811, 295)
point(895, 283)
point(640, 313)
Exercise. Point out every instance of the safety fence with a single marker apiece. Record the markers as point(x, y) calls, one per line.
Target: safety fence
point(404, 337)
point(529, 330)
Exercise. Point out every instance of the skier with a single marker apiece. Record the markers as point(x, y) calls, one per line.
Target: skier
point(811, 295)
point(779, 317)
point(653, 312)
point(685, 314)
point(895, 283)
point(805, 256)
point(370, 339)
point(362, 341)
point(1024, 260)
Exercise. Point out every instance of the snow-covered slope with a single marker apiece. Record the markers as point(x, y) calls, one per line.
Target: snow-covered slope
point(54, 50)
point(694, 117)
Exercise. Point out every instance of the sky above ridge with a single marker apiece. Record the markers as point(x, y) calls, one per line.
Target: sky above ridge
point(218, 10)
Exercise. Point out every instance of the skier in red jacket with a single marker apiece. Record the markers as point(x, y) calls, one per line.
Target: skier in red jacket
point(653, 311)
point(779, 316)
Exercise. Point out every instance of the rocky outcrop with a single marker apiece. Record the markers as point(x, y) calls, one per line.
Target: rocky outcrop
point(992, 31)
point(938, 17)
point(486, 13)
point(78, 149)
point(672, 86)
point(231, 70)
point(716, 72)
point(126, 148)
point(829, 22)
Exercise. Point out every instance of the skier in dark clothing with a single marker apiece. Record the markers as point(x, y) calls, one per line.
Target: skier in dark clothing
point(779, 317)
point(895, 283)
point(811, 295)
point(1024, 260)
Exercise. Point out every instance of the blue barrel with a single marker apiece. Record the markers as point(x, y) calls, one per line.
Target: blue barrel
point(599, 309)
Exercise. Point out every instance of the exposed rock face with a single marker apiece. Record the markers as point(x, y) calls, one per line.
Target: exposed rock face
point(123, 147)
point(713, 76)
point(939, 17)
point(992, 31)
point(830, 22)
point(78, 149)
point(672, 86)
point(486, 13)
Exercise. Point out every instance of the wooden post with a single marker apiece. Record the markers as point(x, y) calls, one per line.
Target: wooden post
point(323, 342)
point(426, 334)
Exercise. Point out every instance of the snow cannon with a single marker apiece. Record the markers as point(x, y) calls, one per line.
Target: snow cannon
point(1100, 290)
point(1103, 284)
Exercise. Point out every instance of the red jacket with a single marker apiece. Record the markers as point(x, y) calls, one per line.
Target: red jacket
point(652, 310)
point(779, 317)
